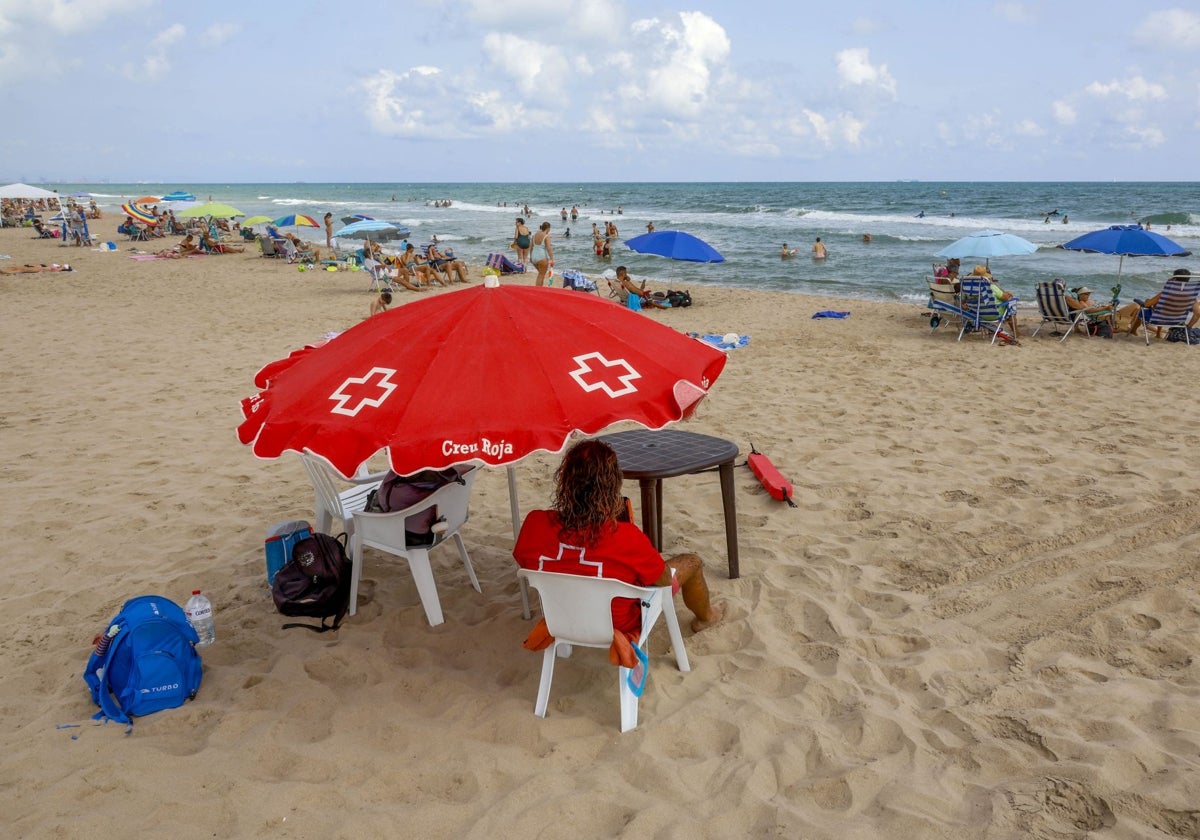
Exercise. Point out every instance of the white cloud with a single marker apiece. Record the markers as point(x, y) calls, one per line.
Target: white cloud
point(537, 69)
point(1146, 135)
point(854, 68)
point(1014, 12)
point(156, 64)
point(1064, 114)
point(219, 33)
point(63, 16)
point(1028, 128)
point(1134, 89)
point(425, 102)
point(844, 127)
point(1172, 28)
point(676, 67)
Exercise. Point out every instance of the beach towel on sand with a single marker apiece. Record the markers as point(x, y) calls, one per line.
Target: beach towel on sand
point(729, 341)
point(830, 313)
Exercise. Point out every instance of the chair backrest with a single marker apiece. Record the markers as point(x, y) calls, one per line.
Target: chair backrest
point(268, 247)
point(323, 486)
point(1052, 301)
point(978, 300)
point(578, 609)
point(1174, 305)
point(946, 293)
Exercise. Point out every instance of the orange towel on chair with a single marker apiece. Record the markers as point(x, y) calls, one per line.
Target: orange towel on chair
point(619, 653)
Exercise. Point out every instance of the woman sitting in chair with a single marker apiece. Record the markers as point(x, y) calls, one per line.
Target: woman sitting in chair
point(584, 535)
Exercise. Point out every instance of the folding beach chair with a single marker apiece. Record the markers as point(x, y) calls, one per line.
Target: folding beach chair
point(980, 310)
point(504, 265)
point(1052, 303)
point(943, 300)
point(1174, 307)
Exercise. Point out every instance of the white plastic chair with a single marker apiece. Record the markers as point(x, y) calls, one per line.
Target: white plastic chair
point(329, 502)
point(578, 611)
point(385, 531)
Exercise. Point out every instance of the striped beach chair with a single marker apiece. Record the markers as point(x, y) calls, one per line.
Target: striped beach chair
point(1174, 307)
point(980, 311)
point(1052, 302)
point(504, 265)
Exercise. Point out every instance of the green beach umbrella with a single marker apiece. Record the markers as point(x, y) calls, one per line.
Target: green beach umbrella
point(221, 211)
point(255, 220)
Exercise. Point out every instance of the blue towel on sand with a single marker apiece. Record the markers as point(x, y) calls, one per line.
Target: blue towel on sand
point(829, 313)
point(718, 341)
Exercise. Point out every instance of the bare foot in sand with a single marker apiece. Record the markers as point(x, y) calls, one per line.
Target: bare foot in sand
point(715, 613)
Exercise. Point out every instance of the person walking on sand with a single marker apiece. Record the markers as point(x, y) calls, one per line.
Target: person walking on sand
point(328, 230)
point(818, 250)
point(583, 535)
point(542, 253)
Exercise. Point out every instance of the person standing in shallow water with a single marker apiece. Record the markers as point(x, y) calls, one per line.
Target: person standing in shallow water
point(818, 250)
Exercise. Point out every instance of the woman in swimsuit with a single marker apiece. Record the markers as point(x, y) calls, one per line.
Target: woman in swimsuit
point(522, 240)
point(542, 253)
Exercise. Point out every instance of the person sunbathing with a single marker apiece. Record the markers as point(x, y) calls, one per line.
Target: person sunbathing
point(626, 287)
point(34, 269)
point(188, 246)
point(448, 263)
point(215, 247)
point(1133, 311)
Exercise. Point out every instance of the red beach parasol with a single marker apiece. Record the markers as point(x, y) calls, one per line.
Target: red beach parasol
point(486, 375)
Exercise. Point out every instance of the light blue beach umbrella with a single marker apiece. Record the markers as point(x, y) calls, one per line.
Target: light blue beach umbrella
point(179, 195)
point(987, 244)
point(367, 227)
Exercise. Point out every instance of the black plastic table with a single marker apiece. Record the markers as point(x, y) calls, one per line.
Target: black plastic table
point(650, 456)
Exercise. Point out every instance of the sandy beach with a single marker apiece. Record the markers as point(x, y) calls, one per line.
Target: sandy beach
point(981, 621)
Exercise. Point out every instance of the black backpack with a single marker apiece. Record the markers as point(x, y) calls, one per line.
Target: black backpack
point(679, 299)
point(315, 582)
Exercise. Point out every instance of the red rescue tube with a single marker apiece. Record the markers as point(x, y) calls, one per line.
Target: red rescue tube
point(769, 476)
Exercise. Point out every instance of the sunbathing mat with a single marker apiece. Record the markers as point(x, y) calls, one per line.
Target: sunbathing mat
point(151, 257)
point(729, 341)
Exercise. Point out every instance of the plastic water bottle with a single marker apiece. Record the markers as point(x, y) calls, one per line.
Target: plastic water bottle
point(105, 639)
point(199, 614)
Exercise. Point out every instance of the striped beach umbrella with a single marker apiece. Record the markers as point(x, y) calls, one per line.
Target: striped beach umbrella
point(294, 220)
point(139, 213)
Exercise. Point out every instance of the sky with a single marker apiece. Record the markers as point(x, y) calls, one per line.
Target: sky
point(598, 90)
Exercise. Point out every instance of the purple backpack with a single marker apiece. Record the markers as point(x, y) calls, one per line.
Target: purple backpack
point(397, 492)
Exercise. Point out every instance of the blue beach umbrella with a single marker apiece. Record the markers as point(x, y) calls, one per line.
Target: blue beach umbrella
point(987, 244)
point(179, 195)
point(675, 245)
point(367, 227)
point(1126, 241)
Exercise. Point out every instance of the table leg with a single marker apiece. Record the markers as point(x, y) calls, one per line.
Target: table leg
point(727, 500)
point(649, 516)
point(658, 513)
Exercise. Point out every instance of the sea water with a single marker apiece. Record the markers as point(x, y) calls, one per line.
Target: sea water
point(908, 222)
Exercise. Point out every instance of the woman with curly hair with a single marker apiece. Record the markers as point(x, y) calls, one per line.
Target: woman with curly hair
point(583, 535)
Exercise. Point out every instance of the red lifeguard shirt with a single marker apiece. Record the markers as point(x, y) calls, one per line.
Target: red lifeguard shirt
point(624, 553)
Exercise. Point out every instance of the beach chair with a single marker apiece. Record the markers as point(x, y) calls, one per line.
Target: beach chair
point(330, 503)
point(386, 532)
point(1174, 307)
point(380, 279)
point(980, 310)
point(504, 265)
point(578, 612)
point(268, 248)
point(943, 300)
point(1052, 303)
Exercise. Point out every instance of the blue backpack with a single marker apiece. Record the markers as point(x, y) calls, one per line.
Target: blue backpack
point(150, 664)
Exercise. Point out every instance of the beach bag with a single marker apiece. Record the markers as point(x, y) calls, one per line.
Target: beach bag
point(280, 540)
point(315, 582)
point(1100, 329)
point(397, 492)
point(145, 660)
point(679, 299)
